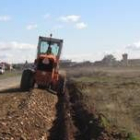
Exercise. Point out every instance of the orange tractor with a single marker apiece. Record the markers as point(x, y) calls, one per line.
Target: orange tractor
point(45, 73)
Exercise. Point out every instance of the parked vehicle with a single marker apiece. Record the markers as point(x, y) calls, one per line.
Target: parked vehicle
point(2, 70)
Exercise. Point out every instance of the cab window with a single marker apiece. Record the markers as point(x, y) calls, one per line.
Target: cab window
point(44, 47)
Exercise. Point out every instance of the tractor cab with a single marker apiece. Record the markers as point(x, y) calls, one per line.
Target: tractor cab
point(49, 46)
point(48, 53)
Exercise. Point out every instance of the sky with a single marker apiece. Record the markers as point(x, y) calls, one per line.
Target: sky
point(90, 29)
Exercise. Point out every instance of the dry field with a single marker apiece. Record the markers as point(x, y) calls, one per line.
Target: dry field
point(112, 92)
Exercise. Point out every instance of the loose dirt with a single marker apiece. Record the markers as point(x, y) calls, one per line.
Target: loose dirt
point(26, 116)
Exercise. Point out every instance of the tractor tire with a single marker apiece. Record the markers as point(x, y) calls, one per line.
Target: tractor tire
point(61, 86)
point(27, 80)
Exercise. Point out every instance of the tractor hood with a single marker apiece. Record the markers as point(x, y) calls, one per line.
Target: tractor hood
point(50, 56)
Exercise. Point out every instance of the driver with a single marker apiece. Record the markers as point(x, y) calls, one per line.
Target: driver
point(49, 51)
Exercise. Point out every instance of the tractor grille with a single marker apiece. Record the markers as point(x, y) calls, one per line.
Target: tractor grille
point(42, 77)
point(45, 67)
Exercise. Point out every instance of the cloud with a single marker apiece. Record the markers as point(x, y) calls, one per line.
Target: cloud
point(5, 18)
point(16, 52)
point(31, 26)
point(3, 56)
point(75, 19)
point(70, 18)
point(4, 46)
point(81, 25)
point(134, 47)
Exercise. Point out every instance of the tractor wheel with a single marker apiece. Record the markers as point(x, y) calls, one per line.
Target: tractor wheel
point(27, 80)
point(61, 86)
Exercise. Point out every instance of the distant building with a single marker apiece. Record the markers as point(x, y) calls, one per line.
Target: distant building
point(129, 62)
point(125, 59)
point(124, 62)
point(2, 66)
point(6, 66)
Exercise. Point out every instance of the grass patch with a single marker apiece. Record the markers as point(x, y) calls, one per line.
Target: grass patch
point(113, 94)
point(92, 79)
point(133, 137)
point(8, 74)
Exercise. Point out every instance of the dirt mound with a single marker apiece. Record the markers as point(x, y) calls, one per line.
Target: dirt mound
point(26, 115)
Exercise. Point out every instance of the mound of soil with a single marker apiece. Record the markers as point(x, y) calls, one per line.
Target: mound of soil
point(26, 116)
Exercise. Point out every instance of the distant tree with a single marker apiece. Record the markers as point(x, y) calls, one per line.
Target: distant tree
point(109, 59)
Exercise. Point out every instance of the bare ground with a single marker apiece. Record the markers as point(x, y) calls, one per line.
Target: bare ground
point(9, 82)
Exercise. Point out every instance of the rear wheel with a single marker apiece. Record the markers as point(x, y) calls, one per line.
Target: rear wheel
point(27, 80)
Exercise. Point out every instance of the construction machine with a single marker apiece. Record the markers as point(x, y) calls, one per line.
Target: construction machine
point(45, 72)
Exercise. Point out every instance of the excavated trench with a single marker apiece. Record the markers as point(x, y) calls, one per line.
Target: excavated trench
point(86, 123)
point(74, 121)
point(62, 126)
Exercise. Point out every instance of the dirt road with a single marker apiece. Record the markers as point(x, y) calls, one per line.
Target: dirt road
point(9, 82)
